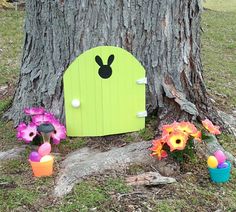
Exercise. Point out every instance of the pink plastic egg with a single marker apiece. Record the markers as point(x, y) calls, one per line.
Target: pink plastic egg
point(45, 149)
point(220, 156)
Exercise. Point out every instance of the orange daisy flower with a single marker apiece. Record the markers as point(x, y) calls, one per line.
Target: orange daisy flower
point(157, 149)
point(187, 127)
point(197, 136)
point(168, 129)
point(177, 140)
point(210, 127)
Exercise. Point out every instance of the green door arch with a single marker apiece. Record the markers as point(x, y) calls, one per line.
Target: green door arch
point(104, 93)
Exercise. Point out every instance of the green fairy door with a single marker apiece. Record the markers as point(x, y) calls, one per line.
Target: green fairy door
point(104, 91)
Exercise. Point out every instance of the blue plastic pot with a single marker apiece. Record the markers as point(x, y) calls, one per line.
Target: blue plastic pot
point(220, 175)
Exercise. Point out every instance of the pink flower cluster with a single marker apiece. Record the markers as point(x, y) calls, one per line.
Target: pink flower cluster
point(40, 116)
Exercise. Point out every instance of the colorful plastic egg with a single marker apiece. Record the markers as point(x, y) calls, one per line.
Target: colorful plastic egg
point(46, 158)
point(212, 162)
point(35, 156)
point(222, 165)
point(220, 156)
point(45, 149)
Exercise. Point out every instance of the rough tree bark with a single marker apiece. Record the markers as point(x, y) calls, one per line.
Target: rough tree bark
point(163, 34)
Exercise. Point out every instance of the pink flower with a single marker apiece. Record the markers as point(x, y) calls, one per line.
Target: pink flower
point(45, 118)
point(34, 111)
point(59, 132)
point(19, 129)
point(27, 133)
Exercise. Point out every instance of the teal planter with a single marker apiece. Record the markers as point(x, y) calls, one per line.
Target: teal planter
point(220, 175)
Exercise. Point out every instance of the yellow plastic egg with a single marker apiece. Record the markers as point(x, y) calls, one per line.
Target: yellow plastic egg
point(212, 162)
point(46, 158)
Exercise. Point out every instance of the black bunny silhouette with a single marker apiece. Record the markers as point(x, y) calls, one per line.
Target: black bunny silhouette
point(104, 71)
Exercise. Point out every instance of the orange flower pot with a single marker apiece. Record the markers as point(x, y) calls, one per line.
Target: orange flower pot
point(41, 169)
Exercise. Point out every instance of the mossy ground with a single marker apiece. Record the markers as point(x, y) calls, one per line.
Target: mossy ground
point(20, 191)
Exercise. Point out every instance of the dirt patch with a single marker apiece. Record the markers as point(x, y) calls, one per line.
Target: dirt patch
point(105, 143)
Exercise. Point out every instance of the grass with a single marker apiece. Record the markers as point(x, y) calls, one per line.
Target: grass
point(169, 205)
point(19, 191)
point(7, 136)
point(219, 51)
point(90, 195)
point(70, 145)
point(15, 193)
point(86, 195)
point(116, 185)
point(17, 198)
point(11, 40)
point(146, 134)
point(221, 5)
point(4, 104)
point(228, 142)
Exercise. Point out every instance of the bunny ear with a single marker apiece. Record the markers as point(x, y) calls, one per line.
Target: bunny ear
point(99, 60)
point(110, 59)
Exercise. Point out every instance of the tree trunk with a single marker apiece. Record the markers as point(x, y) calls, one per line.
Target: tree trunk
point(164, 35)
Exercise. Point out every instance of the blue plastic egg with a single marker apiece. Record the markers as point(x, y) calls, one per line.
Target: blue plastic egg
point(222, 165)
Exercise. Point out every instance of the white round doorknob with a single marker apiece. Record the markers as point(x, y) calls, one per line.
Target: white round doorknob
point(75, 103)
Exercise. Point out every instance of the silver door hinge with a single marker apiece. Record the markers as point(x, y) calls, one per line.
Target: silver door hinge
point(142, 81)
